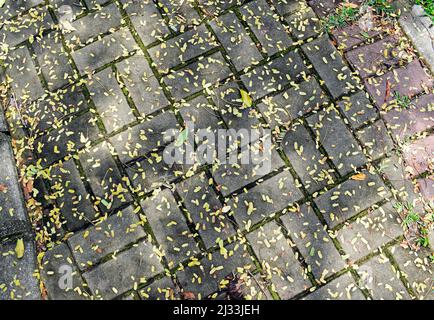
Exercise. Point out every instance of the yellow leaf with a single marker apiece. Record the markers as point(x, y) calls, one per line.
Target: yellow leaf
point(247, 100)
point(359, 177)
point(19, 248)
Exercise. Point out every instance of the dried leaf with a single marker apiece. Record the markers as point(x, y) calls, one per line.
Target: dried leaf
point(19, 249)
point(358, 177)
point(245, 97)
point(188, 295)
point(387, 95)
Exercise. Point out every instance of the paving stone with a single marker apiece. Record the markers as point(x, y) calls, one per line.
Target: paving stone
point(419, 155)
point(418, 117)
point(231, 176)
point(303, 23)
point(376, 58)
point(358, 109)
point(350, 198)
point(104, 178)
point(25, 77)
point(3, 124)
point(330, 66)
point(102, 21)
point(145, 137)
point(71, 196)
point(275, 74)
point(337, 140)
point(142, 85)
point(266, 26)
point(313, 241)
point(66, 139)
point(426, 188)
point(370, 232)
point(67, 10)
point(376, 139)
point(197, 76)
point(342, 288)
point(109, 101)
point(308, 162)
point(211, 273)
point(235, 40)
point(205, 210)
point(181, 14)
point(380, 278)
point(406, 81)
point(26, 27)
point(283, 108)
point(12, 210)
point(352, 35)
point(116, 45)
point(53, 61)
point(146, 19)
point(94, 4)
point(416, 269)
point(265, 199)
point(256, 288)
point(284, 7)
point(51, 109)
point(130, 268)
point(170, 227)
point(116, 232)
point(278, 260)
point(216, 7)
point(162, 289)
point(201, 114)
point(13, 8)
point(55, 265)
point(189, 45)
point(323, 8)
point(17, 281)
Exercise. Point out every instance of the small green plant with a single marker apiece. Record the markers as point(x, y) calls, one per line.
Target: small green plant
point(428, 6)
point(343, 16)
point(381, 7)
point(402, 101)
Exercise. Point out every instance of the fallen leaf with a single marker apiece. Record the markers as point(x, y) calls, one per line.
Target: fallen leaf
point(19, 249)
point(358, 177)
point(182, 137)
point(387, 95)
point(2, 3)
point(3, 188)
point(245, 97)
point(188, 295)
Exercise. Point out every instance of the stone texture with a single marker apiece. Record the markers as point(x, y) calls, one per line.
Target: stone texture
point(303, 23)
point(353, 35)
point(419, 155)
point(13, 8)
point(358, 109)
point(180, 14)
point(161, 289)
point(376, 140)
point(426, 188)
point(342, 288)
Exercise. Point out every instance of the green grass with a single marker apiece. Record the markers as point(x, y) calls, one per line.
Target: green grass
point(342, 17)
point(429, 7)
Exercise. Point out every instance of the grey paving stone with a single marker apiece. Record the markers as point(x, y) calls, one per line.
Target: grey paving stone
point(102, 21)
point(283, 108)
point(278, 260)
point(146, 19)
point(256, 288)
point(266, 26)
point(376, 139)
point(235, 40)
point(26, 82)
point(89, 246)
point(370, 232)
point(67, 9)
point(216, 7)
point(130, 268)
point(407, 81)
point(275, 74)
point(314, 242)
point(12, 210)
point(308, 162)
point(358, 109)
point(3, 124)
point(197, 76)
point(71, 195)
point(353, 35)
point(380, 278)
point(13, 8)
point(342, 288)
point(109, 100)
point(330, 66)
point(145, 137)
point(231, 177)
point(51, 109)
point(66, 139)
point(407, 122)
point(336, 138)
point(212, 272)
point(205, 210)
point(304, 23)
point(182, 48)
point(201, 113)
point(53, 61)
point(104, 177)
point(265, 199)
point(350, 198)
point(170, 227)
point(116, 45)
point(161, 289)
point(94, 4)
point(142, 85)
point(55, 265)
point(416, 269)
point(181, 14)
point(284, 7)
point(26, 27)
